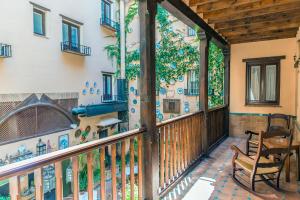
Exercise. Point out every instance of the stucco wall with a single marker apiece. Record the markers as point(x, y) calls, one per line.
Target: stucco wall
point(38, 64)
point(286, 47)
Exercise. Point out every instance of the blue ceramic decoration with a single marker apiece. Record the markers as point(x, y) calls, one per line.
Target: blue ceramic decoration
point(180, 78)
point(160, 117)
point(172, 81)
point(163, 91)
point(63, 141)
point(180, 91)
point(186, 104)
point(134, 101)
point(157, 103)
point(92, 91)
point(84, 91)
point(95, 84)
point(87, 84)
point(157, 45)
point(132, 110)
point(157, 111)
point(186, 110)
point(131, 89)
point(162, 80)
point(181, 52)
point(173, 65)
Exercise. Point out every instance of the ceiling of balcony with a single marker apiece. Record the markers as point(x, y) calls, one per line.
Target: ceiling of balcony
point(241, 21)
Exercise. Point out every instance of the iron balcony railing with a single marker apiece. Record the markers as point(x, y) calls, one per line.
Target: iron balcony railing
point(75, 48)
point(108, 22)
point(108, 98)
point(191, 91)
point(5, 50)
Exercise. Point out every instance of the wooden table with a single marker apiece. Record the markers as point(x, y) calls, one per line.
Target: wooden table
point(278, 142)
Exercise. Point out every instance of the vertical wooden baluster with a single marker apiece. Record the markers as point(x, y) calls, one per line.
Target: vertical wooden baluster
point(14, 188)
point(123, 173)
point(167, 141)
point(90, 186)
point(180, 146)
point(38, 182)
point(171, 150)
point(191, 139)
point(102, 172)
point(132, 168)
point(58, 177)
point(140, 167)
point(175, 150)
point(198, 136)
point(187, 142)
point(162, 156)
point(75, 178)
point(184, 142)
point(113, 172)
point(193, 136)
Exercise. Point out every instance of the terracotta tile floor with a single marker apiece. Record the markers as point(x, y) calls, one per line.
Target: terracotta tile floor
point(211, 179)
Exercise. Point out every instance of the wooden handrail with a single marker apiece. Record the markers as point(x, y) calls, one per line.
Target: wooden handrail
point(22, 167)
point(217, 108)
point(175, 119)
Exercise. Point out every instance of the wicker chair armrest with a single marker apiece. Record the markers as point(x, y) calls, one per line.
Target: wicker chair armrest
point(241, 155)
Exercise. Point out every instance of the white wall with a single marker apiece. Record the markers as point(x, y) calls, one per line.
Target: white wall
point(37, 64)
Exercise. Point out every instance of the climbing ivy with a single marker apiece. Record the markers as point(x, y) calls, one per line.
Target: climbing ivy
point(215, 76)
point(174, 55)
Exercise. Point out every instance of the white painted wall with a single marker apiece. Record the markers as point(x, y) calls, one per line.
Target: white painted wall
point(37, 64)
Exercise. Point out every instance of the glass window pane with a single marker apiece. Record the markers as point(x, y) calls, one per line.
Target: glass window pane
point(65, 33)
point(254, 83)
point(74, 36)
point(38, 23)
point(270, 82)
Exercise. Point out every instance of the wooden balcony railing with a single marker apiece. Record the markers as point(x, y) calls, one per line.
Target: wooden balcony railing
point(180, 147)
point(14, 171)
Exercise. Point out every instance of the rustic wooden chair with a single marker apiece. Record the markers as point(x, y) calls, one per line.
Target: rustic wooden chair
point(266, 165)
point(252, 140)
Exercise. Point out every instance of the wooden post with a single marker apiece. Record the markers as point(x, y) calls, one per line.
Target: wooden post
point(38, 181)
point(226, 53)
point(147, 12)
point(14, 188)
point(204, 45)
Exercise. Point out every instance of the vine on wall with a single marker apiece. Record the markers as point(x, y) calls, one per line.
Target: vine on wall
point(215, 76)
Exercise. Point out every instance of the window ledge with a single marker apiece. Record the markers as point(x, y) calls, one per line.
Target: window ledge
point(41, 36)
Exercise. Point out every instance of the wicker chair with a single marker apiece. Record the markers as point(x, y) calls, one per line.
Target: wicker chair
point(252, 140)
point(266, 165)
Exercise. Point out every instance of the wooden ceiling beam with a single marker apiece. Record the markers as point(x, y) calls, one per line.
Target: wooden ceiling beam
point(201, 2)
point(258, 27)
point(258, 11)
point(287, 15)
point(222, 5)
point(257, 39)
point(265, 34)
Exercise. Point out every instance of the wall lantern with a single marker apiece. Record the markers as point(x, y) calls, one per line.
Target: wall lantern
point(41, 148)
point(69, 174)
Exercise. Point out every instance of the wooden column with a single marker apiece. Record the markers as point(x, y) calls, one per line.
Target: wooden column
point(147, 12)
point(226, 53)
point(204, 45)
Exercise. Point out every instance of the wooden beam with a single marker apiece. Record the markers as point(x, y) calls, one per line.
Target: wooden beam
point(204, 46)
point(147, 12)
point(261, 27)
point(200, 2)
point(266, 34)
point(190, 14)
point(286, 15)
point(221, 5)
point(256, 39)
point(221, 16)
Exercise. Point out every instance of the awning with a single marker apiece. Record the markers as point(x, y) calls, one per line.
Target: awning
point(108, 122)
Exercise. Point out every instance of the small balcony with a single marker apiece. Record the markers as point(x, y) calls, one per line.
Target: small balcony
point(5, 50)
point(73, 48)
point(108, 98)
point(110, 24)
point(191, 92)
